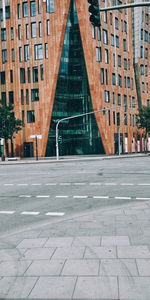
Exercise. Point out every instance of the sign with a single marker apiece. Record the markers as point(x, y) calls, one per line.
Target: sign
point(38, 136)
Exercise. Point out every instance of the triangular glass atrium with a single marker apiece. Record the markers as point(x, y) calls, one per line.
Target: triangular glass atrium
point(78, 135)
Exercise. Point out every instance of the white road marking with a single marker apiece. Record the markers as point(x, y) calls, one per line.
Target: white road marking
point(95, 183)
point(143, 183)
point(101, 197)
point(61, 196)
point(126, 184)
point(65, 183)
point(120, 197)
point(80, 197)
point(8, 212)
point(24, 184)
point(50, 184)
point(110, 183)
point(59, 214)
point(34, 213)
point(42, 196)
point(140, 198)
point(25, 196)
point(7, 184)
point(36, 184)
point(79, 183)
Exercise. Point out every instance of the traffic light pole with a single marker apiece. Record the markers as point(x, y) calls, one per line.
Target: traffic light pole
point(131, 5)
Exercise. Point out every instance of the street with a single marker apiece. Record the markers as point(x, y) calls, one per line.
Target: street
point(32, 194)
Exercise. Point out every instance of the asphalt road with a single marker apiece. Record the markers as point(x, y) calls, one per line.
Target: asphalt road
point(33, 194)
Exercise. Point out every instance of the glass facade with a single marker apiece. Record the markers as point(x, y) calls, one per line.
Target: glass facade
point(79, 135)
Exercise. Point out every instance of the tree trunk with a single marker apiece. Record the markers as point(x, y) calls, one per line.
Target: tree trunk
point(12, 148)
point(6, 147)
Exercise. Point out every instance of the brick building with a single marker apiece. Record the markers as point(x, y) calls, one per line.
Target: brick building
point(54, 64)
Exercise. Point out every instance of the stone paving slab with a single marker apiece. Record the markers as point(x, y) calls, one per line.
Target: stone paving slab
point(59, 242)
point(80, 267)
point(54, 288)
point(69, 252)
point(134, 288)
point(133, 252)
point(81, 241)
point(115, 240)
point(38, 253)
point(30, 243)
point(45, 268)
point(16, 287)
point(96, 288)
point(143, 267)
point(100, 252)
point(11, 254)
point(118, 267)
point(13, 268)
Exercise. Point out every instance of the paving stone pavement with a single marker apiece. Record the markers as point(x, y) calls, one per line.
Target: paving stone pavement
point(104, 254)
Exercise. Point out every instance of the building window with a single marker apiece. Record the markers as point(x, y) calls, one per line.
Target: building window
point(26, 53)
point(25, 9)
point(114, 117)
point(35, 95)
point(119, 61)
point(125, 103)
point(128, 82)
point(107, 96)
point(114, 59)
point(23, 116)
point(146, 70)
point(35, 74)
point(50, 6)
point(27, 96)
point(32, 8)
point(113, 98)
point(33, 30)
point(27, 31)
point(119, 99)
point(7, 12)
point(22, 75)
point(3, 77)
point(120, 80)
point(12, 54)
point(106, 56)
point(116, 23)
point(29, 75)
point(48, 27)
point(141, 34)
point(105, 16)
point(102, 75)
point(46, 50)
point(30, 116)
point(40, 29)
point(22, 97)
point(125, 119)
point(39, 6)
point(106, 76)
point(93, 32)
point(12, 33)
point(124, 45)
point(105, 36)
point(143, 87)
point(38, 51)
point(125, 27)
point(11, 76)
point(41, 72)
point(111, 18)
point(117, 41)
point(99, 33)
point(98, 54)
point(146, 53)
point(146, 36)
point(11, 97)
point(3, 34)
point(4, 56)
point(112, 40)
point(141, 52)
point(125, 63)
point(20, 54)
point(125, 81)
point(113, 78)
point(142, 69)
point(19, 32)
point(3, 97)
point(109, 118)
point(18, 11)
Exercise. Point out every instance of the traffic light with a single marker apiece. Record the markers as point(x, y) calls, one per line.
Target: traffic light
point(94, 11)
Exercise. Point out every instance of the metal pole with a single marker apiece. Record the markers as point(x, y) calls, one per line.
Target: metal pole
point(118, 140)
point(124, 6)
point(77, 116)
point(36, 143)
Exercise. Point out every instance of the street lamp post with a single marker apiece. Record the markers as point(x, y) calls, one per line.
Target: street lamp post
point(77, 116)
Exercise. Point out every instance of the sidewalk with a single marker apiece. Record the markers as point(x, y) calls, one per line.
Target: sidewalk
point(103, 254)
point(18, 160)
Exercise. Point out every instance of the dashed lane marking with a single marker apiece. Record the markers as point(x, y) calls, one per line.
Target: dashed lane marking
point(101, 197)
point(61, 196)
point(25, 196)
point(42, 196)
point(59, 214)
point(8, 212)
point(121, 197)
point(34, 213)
